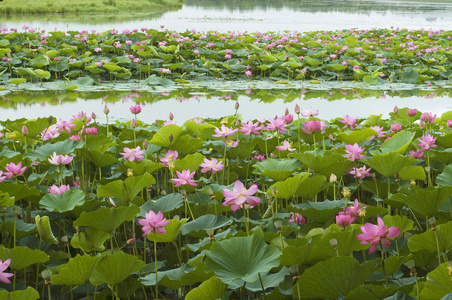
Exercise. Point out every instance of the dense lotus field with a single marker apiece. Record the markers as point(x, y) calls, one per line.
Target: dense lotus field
point(285, 208)
point(157, 56)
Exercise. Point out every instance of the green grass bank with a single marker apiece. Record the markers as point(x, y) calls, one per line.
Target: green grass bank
point(79, 6)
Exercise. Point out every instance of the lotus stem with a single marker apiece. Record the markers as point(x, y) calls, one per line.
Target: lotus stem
point(262, 285)
point(383, 263)
point(246, 222)
point(156, 266)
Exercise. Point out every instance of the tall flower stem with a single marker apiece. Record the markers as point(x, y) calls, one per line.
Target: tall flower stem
point(224, 159)
point(156, 266)
point(246, 222)
point(383, 263)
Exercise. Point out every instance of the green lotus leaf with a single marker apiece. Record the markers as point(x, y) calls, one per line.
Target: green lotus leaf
point(445, 178)
point(243, 150)
point(286, 189)
point(269, 280)
point(140, 168)
point(318, 211)
point(17, 191)
point(172, 230)
point(99, 159)
point(165, 204)
point(445, 140)
point(276, 169)
point(22, 229)
point(370, 80)
point(390, 163)
point(444, 156)
point(217, 190)
point(311, 186)
point(6, 200)
point(17, 81)
point(438, 283)
point(63, 202)
point(356, 136)
point(425, 201)
point(319, 163)
point(126, 190)
point(115, 268)
point(372, 291)
point(413, 172)
point(347, 243)
point(333, 278)
point(255, 257)
point(62, 147)
point(211, 289)
point(447, 297)
point(29, 294)
point(91, 240)
point(379, 188)
point(175, 278)
point(83, 81)
point(372, 120)
point(76, 271)
point(166, 136)
point(107, 219)
point(399, 142)
point(409, 75)
point(393, 263)
point(190, 162)
point(44, 230)
point(22, 257)
point(428, 240)
point(204, 131)
point(187, 144)
point(298, 251)
point(401, 222)
point(204, 223)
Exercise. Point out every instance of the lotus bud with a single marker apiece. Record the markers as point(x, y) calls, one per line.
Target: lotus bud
point(83, 131)
point(209, 192)
point(93, 115)
point(333, 243)
point(50, 119)
point(171, 138)
point(297, 109)
point(427, 169)
point(449, 124)
point(421, 124)
point(330, 137)
point(286, 112)
point(432, 222)
point(24, 130)
point(133, 123)
point(278, 226)
point(237, 105)
point(131, 241)
point(145, 144)
point(176, 217)
point(106, 110)
point(163, 192)
point(396, 109)
point(210, 234)
point(333, 178)
point(64, 239)
point(246, 206)
point(171, 116)
point(47, 274)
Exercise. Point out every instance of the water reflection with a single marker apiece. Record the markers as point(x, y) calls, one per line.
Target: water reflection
point(189, 103)
point(258, 15)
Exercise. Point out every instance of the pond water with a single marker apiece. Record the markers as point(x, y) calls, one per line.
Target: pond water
point(251, 16)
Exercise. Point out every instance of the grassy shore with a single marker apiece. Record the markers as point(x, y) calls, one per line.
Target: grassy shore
point(67, 6)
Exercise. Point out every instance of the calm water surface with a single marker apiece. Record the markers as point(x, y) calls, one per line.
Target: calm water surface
point(251, 16)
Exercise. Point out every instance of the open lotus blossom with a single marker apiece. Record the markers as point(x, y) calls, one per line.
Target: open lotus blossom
point(309, 112)
point(133, 154)
point(4, 276)
point(350, 214)
point(428, 118)
point(225, 131)
point(65, 126)
point(211, 165)
point(2, 177)
point(373, 234)
point(135, 109)
point(379, 130)
point(58, 190)
point(353, 152)
point(411, 112)
point(312, 126)
point(361, 173)
point(277, 124)
point(250, 127)
point(288, 118)
point(344, 220)
point(49, 133)
point(14, 169)
point(169, 158)
point(417, 154)
point(349, 122)
point(286, 146)
point(297, 218)
point(449, 124)
point(153, 223)
point(184, 178)
point(427, 142)
point(240, 195)
point(60, 159)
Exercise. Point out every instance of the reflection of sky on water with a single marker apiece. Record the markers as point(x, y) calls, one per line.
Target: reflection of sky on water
point(307, 16)
point(217, 108)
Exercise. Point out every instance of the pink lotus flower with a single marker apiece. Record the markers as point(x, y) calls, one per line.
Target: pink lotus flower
point(277, 124)
point(250, 127)
point(135, 109)
point(60, 159)
point(133, 154)
point(449, 124)
point(344, 220)
point(297, 219)
point(75, 137)
point(353, 152)
point(428, 118)
point(360, 172)
point(411, 112)
point(288, 118)
point(184, 178)
point(65, 125)
point(169, 158)
point(14, 169)
point(373, 234)
point(240, 195)
point(417, 154)
point(91, 130)
point(2, 177)
point(309, 112)
point(379, 130)
point(354, 209)
point(396, 127)
point(427, 142)
point(211, 165)
point(49, 133)
point(225, 131)
point(153, 222)
point(349, 122)
point(4, 276)
point(312, 126)
point(58, 190)
point(286, 146)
